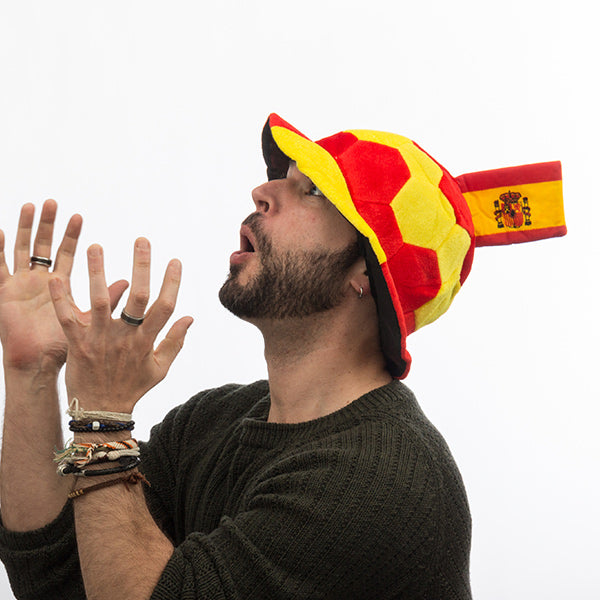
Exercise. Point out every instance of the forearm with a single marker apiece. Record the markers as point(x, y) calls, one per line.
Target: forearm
point(31, 493)
point(111, 364)
point(121, 549)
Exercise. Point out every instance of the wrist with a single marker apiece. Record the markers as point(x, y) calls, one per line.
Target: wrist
point(43, 365)
point(91, 400)
point(30, 385)
point(98, 437)
point(43, 370)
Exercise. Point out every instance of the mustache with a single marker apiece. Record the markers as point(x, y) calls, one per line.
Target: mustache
point(254, 223)
point(251, 220)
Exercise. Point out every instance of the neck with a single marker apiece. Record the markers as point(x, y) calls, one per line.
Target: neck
point(321, 363)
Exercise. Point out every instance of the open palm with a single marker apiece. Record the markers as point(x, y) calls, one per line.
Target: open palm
point(30, 334)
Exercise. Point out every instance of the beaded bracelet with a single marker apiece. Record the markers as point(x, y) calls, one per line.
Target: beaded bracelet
point(133, 478)
point(87, 426)
point(126, 464)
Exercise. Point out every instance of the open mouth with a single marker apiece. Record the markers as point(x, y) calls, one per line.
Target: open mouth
point(248, 246)
point(247, 240)
point(245, 244)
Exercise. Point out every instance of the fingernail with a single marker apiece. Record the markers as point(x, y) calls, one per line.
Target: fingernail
point(142, 243)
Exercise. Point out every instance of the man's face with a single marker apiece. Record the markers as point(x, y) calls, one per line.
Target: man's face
point(295, 253)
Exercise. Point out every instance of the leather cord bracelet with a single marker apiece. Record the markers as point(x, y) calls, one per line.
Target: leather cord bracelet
point(99, 425)
point(126, 463)
point(131, 479)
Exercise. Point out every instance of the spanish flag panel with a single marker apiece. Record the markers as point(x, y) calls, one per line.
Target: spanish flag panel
point(515, 204)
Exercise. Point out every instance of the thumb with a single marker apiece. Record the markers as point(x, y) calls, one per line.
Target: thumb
point(169, 348)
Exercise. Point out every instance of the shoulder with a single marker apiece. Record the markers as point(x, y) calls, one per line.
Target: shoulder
point(379, 479)
point(394, 411)
point(381, 442)
point(386, 454)
point(390, 418)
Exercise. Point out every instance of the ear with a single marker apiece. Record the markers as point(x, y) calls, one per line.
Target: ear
point(358, 278)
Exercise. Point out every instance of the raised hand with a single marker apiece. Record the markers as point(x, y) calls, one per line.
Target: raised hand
point(34, 348)
point(30, 334)
point(112, 363)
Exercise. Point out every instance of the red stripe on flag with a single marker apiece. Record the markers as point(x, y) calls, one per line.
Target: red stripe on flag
point(510, 176)
point(518, 237)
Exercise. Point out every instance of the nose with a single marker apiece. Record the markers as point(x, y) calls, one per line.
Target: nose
point(268, 196)
point(261, 198)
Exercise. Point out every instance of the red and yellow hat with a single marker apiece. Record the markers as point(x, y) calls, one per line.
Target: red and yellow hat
point(421, 224)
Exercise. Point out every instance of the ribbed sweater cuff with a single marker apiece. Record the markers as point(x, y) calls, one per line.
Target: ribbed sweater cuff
point(37, 538)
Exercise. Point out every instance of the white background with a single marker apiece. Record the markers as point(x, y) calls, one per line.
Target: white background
point(145, 117)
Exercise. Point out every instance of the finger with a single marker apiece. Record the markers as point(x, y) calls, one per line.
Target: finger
point(23, 239)
point(160, 312)
point(99, 296)
point(42, 245)
point(140, 279)
point(169, 348)
point(115, 292)
point(66, 250)
point(63, 306)
point(4, 273)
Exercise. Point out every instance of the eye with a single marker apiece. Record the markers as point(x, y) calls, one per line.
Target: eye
point(315, 191)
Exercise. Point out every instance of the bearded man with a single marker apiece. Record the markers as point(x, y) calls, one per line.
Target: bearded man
point(327, 480)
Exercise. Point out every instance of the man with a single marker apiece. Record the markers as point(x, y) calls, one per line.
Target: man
point(327, 481)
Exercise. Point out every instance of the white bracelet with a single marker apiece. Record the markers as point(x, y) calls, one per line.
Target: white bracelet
point(79, 414)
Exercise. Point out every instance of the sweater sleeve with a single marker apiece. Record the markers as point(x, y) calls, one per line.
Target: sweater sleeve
point(44, 563)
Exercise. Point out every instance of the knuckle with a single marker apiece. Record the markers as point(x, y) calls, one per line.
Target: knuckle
point(143, 260)
point(101, 304)
point(65, 320)
point(167, 307)
point(65, 251)
point(141, 298)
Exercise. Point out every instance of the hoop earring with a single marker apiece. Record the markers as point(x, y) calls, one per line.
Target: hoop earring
point(360, 294)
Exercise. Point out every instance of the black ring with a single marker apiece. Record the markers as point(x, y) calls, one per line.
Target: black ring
point(135, 321)
point(40, 260)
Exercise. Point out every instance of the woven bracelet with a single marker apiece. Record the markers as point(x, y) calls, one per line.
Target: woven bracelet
point(132, 478)
point(81, 454)
point(78, 413)
point(88, 426)
point(100, 457)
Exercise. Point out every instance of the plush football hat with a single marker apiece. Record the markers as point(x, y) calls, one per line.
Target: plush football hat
point(419, 225)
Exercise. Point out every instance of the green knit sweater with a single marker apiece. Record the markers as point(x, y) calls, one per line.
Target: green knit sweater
point(364, 503)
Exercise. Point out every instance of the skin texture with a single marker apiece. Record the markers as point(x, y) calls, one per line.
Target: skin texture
point(34, 349)
point(288, 284)
point(317, 363)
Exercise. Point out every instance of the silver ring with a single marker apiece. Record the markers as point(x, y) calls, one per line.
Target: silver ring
point(135, 321)
point(40, 260)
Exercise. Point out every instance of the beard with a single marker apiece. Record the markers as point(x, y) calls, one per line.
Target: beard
point(289, 284)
